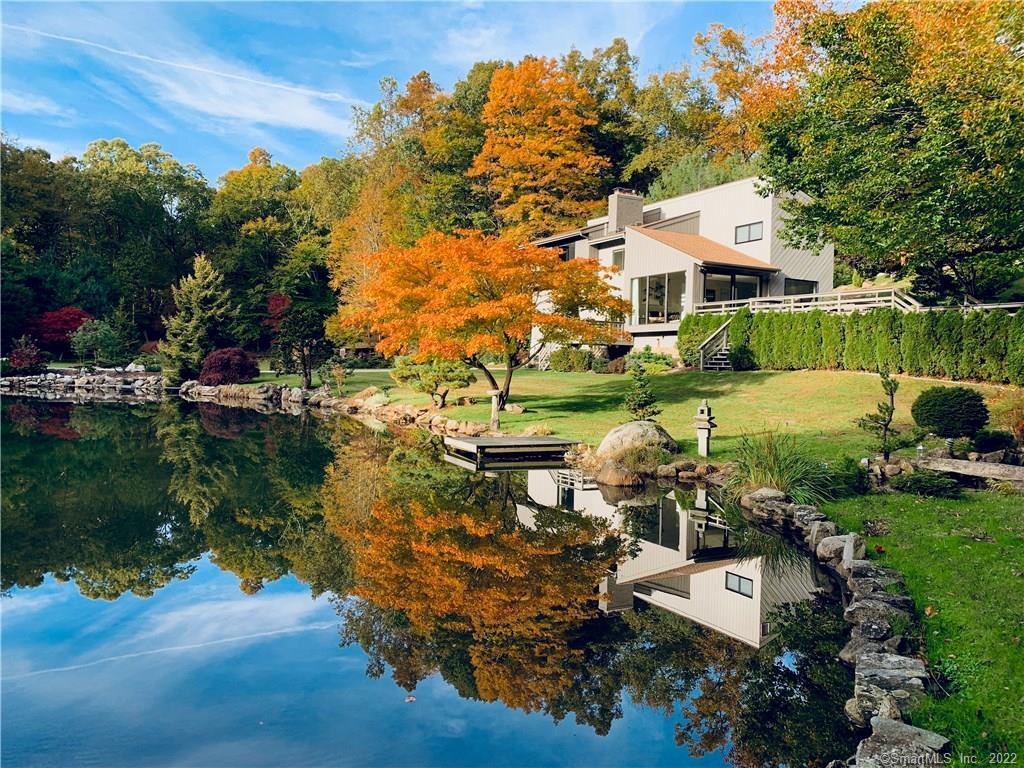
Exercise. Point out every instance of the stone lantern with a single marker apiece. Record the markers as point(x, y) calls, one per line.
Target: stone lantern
point(495, 423)
point(704, 423)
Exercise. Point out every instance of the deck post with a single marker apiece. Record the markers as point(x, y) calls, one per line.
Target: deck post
point(495, 422)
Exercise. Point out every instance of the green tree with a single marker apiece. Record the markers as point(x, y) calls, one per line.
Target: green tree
point(879, 423)
point(200, 324)
point(110, 341)
point(433, 377)
point(640, 401)
point(906, 142)
point(301, 343)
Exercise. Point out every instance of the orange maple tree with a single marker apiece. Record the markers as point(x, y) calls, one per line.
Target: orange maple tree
point(538, 159)
point(470, 565)
point(754, 77)
point(468, 295)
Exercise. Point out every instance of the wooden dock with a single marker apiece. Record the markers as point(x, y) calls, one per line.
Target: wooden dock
point(490, 453)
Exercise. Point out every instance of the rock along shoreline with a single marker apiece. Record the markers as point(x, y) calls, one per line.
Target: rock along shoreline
point(887, 681)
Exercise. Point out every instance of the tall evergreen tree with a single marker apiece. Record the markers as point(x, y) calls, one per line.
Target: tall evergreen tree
point(204, 312)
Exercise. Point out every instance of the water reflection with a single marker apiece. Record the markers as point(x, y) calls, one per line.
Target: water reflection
point(530, 589)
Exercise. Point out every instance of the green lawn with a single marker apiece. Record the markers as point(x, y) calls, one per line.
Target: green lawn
point(965, 559)
point(817, 406)
point(353, 383)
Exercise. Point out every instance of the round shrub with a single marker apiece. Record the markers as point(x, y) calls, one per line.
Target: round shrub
point(988, 440)
point(950, 411)
point(228, 366)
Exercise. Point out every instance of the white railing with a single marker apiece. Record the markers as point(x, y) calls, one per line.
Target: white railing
point(715, 343)
point(841, 302)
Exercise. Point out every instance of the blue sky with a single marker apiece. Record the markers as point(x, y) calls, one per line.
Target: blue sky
point(201, 674)
point(210, 81)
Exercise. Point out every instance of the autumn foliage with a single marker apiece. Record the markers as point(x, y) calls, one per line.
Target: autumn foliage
point(538, 159)
point(467, 295)
point(53, 329)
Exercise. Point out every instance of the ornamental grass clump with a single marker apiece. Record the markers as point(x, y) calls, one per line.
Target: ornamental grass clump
point(774, 460)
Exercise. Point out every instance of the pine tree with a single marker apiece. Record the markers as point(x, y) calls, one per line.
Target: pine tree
point(640, 401)
point(204, 310)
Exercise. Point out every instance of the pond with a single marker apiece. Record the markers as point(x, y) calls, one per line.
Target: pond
point(196, 585)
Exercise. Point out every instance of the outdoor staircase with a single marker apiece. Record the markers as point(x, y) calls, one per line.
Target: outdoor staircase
point(718, 361)
point(714, 352)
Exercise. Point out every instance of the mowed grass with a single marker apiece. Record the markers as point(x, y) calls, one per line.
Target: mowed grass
point(353, 383)
point(819, 407)
point(964, 564)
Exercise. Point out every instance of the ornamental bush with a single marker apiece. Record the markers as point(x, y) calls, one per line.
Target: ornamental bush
point(953, 344)
point(571, 360)
point(950, 411)
point(988, 440)
point(650, 361)
point(228, 366)
point(26, 358)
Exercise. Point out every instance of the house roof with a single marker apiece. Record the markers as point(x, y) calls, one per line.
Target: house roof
point(704, 250)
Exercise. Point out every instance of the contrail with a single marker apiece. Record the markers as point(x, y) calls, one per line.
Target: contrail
point(326, 95)
point(192, 646)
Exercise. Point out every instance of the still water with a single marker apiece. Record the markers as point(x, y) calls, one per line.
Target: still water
point(197, 585)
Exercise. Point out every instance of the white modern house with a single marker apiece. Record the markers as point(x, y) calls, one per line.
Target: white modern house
point(685, 563)
point(681, 255)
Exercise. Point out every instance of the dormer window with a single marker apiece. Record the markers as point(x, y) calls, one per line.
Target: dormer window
point(748, 233)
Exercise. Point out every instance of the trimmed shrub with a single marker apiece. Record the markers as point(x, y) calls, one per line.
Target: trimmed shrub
point(950, 411)
point(924, 482)
point(831, 356)
point(739, 328)
point(988, 440)
point(1015, 349)
point(228, 366)
point(600, 365)
point(618, 365)
point(650, 361)
point(571, 360)
point(742, 359)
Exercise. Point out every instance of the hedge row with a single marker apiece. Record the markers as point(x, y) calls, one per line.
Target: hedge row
point(955, 345)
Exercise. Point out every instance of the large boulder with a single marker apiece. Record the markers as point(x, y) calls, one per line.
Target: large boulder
point(894, 743)
point(636, 434)
point(615, 474)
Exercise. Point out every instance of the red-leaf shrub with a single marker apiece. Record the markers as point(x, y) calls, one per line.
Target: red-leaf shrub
point(54, 328)
point(228, 366)
point(26, 358)
point(150, 347)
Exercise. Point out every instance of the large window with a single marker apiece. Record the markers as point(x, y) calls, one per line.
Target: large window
point(799, 287)
point(657, 298)
point(619, 258)
point(731, 287)
point(739, 584)
point(748, 233)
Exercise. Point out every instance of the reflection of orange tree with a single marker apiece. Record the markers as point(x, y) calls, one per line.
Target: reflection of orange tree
point(471, 567)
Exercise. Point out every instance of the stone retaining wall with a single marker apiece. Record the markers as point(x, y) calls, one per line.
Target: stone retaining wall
point(89, 386)
point(371, 406)
point(887, 681)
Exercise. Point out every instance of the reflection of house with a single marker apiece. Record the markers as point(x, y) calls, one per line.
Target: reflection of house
point(684, 562)
point(677, 255)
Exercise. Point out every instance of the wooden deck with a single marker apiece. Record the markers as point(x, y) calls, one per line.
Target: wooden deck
point(489, 453)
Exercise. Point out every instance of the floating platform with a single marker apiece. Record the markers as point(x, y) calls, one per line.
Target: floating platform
point(493, 453)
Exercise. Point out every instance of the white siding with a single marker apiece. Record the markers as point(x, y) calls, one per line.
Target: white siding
point(796, 263)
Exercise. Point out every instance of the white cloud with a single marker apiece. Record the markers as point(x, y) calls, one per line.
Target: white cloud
point(187, 76)
point(32, 104)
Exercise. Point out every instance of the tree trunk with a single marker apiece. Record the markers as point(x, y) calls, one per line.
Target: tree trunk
point(307, 369)
point(507, 384)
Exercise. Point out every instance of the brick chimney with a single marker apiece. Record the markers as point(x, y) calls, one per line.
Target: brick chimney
point(625, 209)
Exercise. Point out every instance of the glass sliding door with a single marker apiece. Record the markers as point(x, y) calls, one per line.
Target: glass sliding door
point(656, 299)
point(746, 287)
point(676, 289)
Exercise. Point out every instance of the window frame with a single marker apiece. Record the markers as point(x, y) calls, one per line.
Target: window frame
point(619, 258)
point(787, 280)
point(749, 229)
point(739, 585)
point(643, 302)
